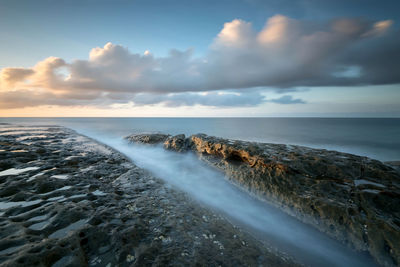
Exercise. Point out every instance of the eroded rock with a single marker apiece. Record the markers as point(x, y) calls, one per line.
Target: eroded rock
point(354, 199)
point(148, 138)
point(178, 143)
point(81, 203)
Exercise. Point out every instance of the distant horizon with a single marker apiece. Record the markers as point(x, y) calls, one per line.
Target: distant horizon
point(216, 117)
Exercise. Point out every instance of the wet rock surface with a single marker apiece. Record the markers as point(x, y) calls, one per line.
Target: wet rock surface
point(354, 199)
point(66, 200)
point(154, 138)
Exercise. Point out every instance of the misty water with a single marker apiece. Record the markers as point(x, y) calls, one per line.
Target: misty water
point(376, 138)
point(209, 186)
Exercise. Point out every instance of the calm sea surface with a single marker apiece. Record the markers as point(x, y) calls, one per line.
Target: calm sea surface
point(375, 138)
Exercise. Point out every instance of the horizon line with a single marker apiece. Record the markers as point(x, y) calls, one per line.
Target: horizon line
point(200, 117)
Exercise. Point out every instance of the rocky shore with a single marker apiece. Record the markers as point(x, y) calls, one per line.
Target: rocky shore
point(353, 199)
point(66, 200)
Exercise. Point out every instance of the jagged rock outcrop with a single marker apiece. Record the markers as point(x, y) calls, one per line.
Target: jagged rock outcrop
point(154, 138)
point(351, 198)
point(178, 143)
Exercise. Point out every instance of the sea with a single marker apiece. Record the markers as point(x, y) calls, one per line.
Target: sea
point(377, 138)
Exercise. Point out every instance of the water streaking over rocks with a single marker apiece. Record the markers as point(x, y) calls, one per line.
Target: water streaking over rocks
point(67, 200)
point(351, 198)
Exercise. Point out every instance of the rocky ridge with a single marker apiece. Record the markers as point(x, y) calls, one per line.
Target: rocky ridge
point(66, 200)
point(354, 199)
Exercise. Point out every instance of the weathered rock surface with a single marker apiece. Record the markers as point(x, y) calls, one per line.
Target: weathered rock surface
point(351, 198)
point(155, 138)
point(66, 200)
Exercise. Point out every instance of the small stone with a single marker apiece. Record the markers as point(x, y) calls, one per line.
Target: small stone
point(130, 258)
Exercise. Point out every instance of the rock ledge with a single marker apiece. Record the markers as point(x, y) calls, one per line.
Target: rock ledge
point(353, 199)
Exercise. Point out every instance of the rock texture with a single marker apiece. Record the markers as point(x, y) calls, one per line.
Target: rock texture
point(351, 198)
point(66, 200)
point(154, 138)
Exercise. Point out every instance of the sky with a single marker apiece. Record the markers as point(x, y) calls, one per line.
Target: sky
point(314, 58)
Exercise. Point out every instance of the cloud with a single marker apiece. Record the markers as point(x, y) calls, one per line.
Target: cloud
point(287, 99)
point(379, 28)
point(30, 98)
point(213, 99)
point(289, 53)
point(277, 30)
point(10, 76)
point(286, 53)
point(237, 33)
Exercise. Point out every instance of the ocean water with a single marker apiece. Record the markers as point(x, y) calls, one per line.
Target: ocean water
point(378, 138)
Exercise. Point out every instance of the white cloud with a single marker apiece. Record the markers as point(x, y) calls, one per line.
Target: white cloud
point(237, 33)
point(286, 53)
point(278, 29)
